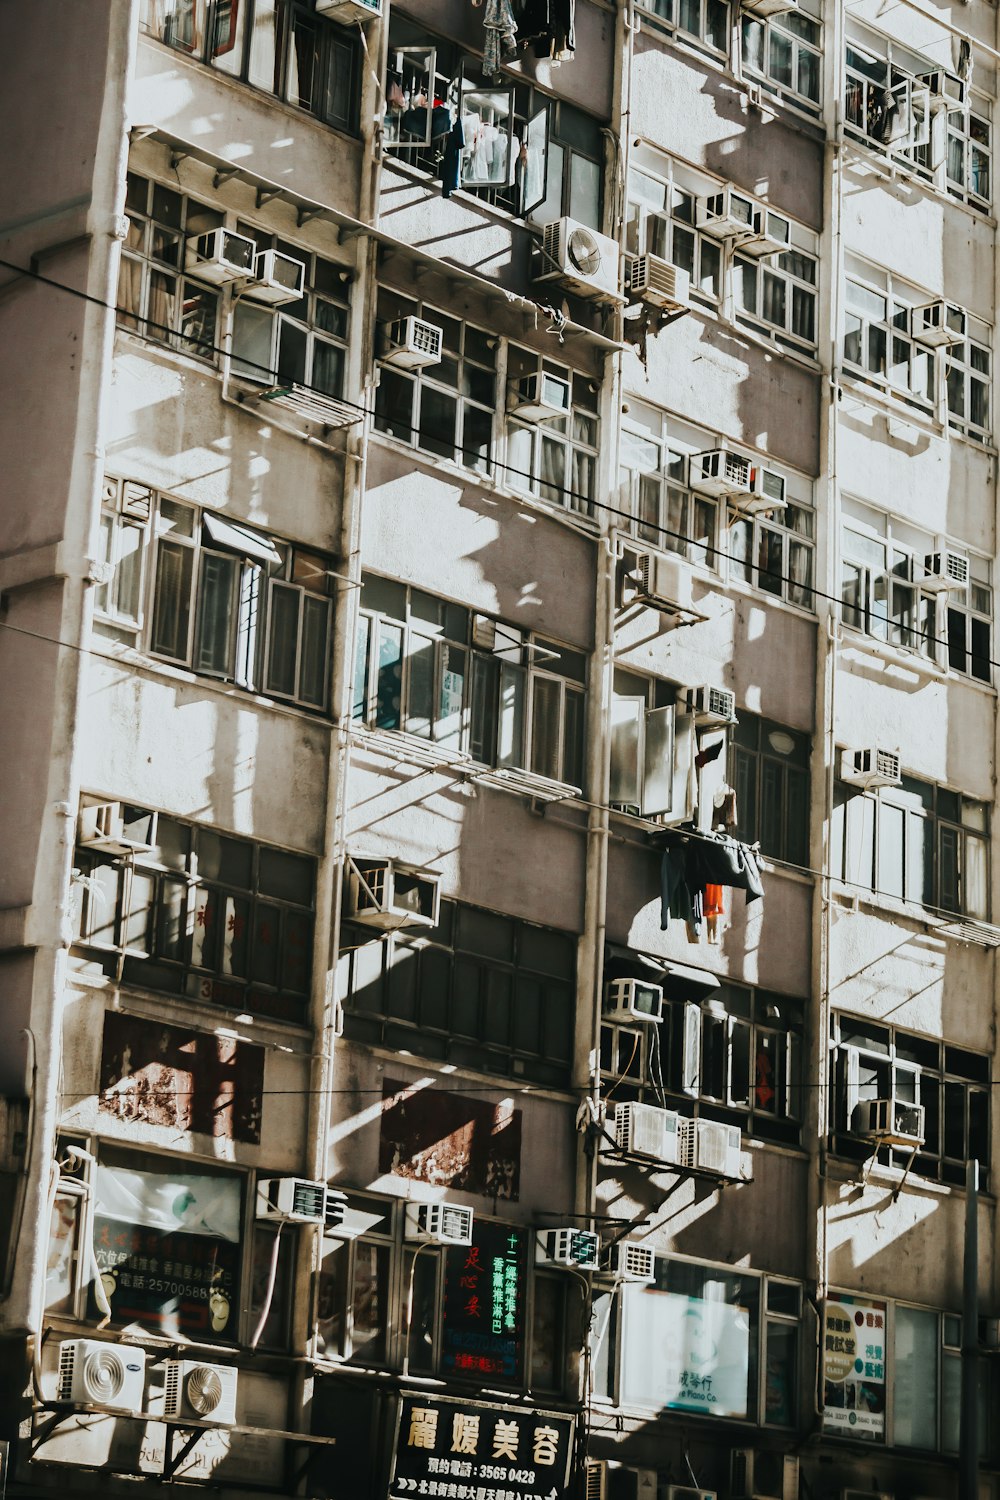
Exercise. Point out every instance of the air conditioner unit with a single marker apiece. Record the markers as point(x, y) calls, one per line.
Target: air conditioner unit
point(115, 828)
point(871, 768)
point(112, 1376)
point(193, 1389)
point(388, 896)
point(712, 705)
point(765, 499)
point(412, 343)
point(438, 1223)
point(687, 1492)
point(604, 1479)
point(291, 1200)
point(648, 1131)
point(771, 233)
point(726, 215)
point(937, 324)
point(568, 1247)
point(580, 259)
point(664, 581)
point(892, 1124)
point(541, 398)
point(945, 570)
point(759, 1474)
point(650, 279)
point(632, 1000)
point(348, 11)
point(277, 279)
point(633, 1263)
point(220, 256)
point(946, 89)
point(710, 1146)
point(723, 473)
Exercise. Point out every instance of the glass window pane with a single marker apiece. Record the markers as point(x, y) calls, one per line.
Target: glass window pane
point(781, 1375)
point(217, 612)
point(546, 698)
point(914, 1368)
point(283, 632)
point(312, 655)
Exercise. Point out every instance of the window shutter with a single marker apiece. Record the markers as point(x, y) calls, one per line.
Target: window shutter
point(691, 1075)
point(626, 750)
point(852, 1085)
point(658, 762)
point(682, 793)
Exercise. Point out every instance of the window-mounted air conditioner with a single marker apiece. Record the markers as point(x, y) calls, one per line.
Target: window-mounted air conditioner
point(937, 323)
point(710, 1146)
point(712, 705)
point(568, 1247)
point(348, 11)
point(889, 1122)
point(646, 1130)
point(115, 828)
point(633, 1263)
point(946, 89)
point(723, 473)
point(650, 279)
point(220, 256)
point(438, 1223)
point(111, 1376)
point(664, 581)
point(726, 215)
point(540, 397)
point(580, 259)
point(871, 768)
point(411, 343)
point(766, 498)
point(632, 1000)
point(291, 1200)
point(194, 1389)
point(759, 1474)
point(277, 278)
point(771, 232)
point(686, 1492)
point(383, 894)
point(945, 570)
point(604, 1479)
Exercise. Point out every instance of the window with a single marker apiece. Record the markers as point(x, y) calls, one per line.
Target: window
point(653, 456)
point(885, 105)
point(303, 342)
point(155, 298)
point(468, 682)
point(445, 408)
point(168, 1248)
point(968, 155)
point(481, 991)
point(201, 914)
point(916, 842)
point(523, 151)
point(779, 292)
point(769, 769)
point(784, 51)
point(883, 562)
point(650, 751)
point(214, 595)
point(661, 219)
point(280, 46)
point(968, 380)
point(555, 459)
point(713, 1342)
point(708, 20)
point(951, 1085)
point(775, 553)
point(926, 1366)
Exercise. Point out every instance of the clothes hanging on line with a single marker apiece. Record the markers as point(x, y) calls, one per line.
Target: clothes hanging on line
point(501, 36)
point(703, 861)
point(451, 165)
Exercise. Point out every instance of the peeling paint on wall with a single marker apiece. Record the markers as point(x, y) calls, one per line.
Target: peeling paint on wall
point(449, 1140)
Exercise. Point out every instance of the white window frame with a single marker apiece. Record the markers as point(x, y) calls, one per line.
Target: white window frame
point(576, 437)
point(787, 29)
point(141, 265)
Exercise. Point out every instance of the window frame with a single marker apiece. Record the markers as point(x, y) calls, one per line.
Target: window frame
point(575, 436)
point(303, 317)
point(194, 309)
point(753, 771)
point(786, 28)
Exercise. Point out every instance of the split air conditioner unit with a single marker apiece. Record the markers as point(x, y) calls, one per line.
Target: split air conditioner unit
point(726, 215)
point(291, 1200)
point(383, 894)
point(108, 1375)
point(871, 768)
point(759, 1474)
point(632, 1000)
point(277, 279)
point(220, 256)
point(438, 1223)
point(771, 233)
point(115, 828)
point(633, 1263)
point(579, 259)
point(890, 1123)
point(540, 397)
point(650, 279)
point(945, 570)
point(348, 11)
point(412, 343)
point(664, 582)
point(712, 705)
point(206, 1392)
point(723, 473)
point(937, 324)
point(710, 1146)
point(646, 1130)
point(568, 1247)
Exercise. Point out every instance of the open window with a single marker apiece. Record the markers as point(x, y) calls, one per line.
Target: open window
point(491, 154)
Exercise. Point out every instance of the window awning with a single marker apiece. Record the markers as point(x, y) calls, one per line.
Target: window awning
point(242, 541)
point(679, 979)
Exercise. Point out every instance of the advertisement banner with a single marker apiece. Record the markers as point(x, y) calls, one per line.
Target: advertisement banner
point(484, 1287)
point(687, 1354)
point(854, 1367)
point(466, 1449)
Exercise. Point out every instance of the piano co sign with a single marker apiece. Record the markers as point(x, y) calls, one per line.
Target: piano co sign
point(468, 1450)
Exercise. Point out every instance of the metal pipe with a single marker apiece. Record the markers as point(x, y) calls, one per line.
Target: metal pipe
point(968, 1441)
